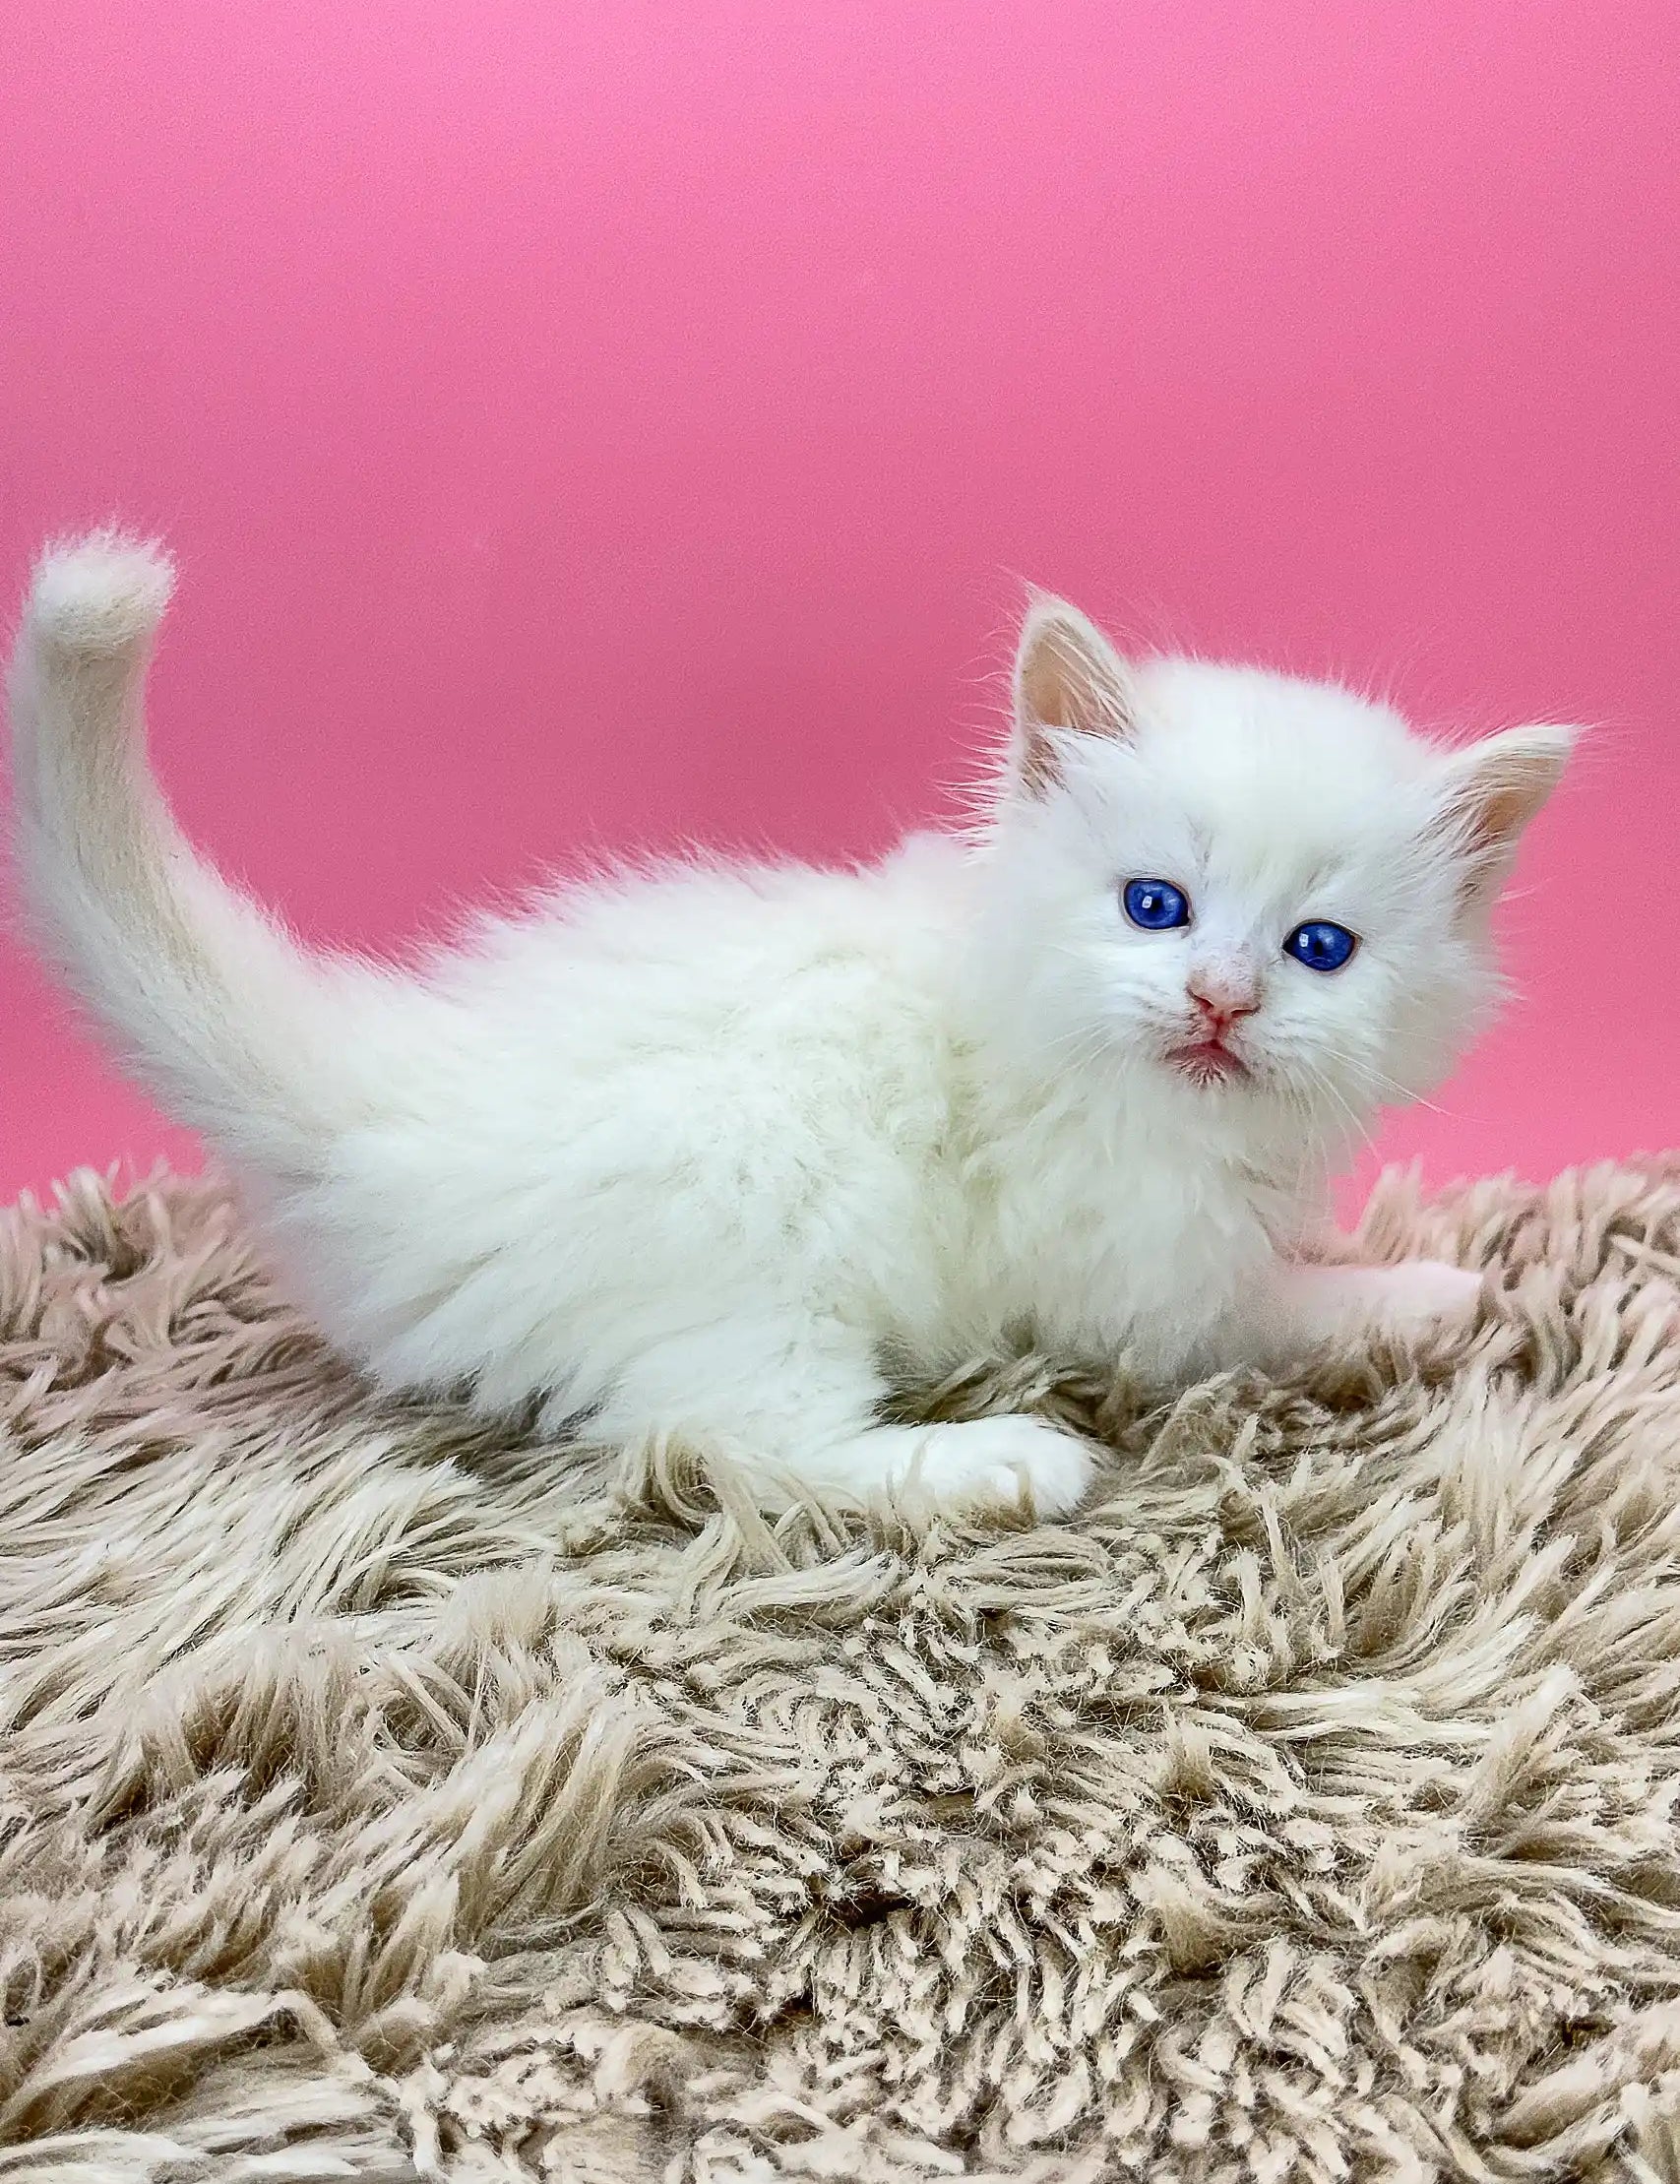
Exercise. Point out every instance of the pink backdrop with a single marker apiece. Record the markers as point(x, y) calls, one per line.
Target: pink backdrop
point(613, 422)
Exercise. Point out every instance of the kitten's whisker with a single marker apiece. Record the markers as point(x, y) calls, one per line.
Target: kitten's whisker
point(1320, 1076)
point(1378, 1078)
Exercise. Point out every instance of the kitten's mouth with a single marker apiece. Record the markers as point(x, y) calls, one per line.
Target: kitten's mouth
point(1207, 1061)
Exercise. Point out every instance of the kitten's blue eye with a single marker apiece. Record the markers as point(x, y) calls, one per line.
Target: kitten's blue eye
point(1155, 905)
point(1321, 947)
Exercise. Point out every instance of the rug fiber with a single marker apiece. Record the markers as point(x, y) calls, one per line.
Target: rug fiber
point(381, 1796)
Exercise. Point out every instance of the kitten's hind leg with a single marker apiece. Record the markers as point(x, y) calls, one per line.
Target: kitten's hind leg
point(794, 1404)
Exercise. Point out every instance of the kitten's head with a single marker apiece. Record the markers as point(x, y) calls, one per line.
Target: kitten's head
point(1267, 897)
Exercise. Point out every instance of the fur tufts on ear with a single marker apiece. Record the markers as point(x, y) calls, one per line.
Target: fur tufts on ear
point(1493, 790)
point(1068, 680)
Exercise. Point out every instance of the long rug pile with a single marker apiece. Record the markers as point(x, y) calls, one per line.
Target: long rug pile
point(383, 1797)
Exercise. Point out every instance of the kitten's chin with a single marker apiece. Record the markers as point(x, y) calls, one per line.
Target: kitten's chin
point(1206, 1062)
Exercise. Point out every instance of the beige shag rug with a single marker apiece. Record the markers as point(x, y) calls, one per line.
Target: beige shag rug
point(382, 1798)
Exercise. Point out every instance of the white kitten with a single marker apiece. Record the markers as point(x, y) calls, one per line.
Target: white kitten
point(693, 1155)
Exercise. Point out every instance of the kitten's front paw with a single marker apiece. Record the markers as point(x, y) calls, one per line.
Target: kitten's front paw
point(1420, 1294)
point(997, 1459)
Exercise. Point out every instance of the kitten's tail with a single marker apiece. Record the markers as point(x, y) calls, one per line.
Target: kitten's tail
point(214, 1006)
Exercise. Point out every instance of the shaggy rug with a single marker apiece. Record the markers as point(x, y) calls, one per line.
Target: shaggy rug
point(382, 1797)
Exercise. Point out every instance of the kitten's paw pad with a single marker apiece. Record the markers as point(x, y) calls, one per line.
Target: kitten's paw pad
point(1424, 1293)
point(992, 1460)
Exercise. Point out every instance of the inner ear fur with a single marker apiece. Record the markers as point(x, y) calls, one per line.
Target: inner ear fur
point(1069, 680)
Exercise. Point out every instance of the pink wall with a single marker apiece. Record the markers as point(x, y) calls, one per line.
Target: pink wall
point(601, 422)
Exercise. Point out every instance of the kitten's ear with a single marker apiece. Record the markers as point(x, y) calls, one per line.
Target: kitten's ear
point(1493, 790)
point(1068, 679)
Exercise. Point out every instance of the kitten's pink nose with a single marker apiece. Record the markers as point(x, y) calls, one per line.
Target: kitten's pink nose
point(1222, 995)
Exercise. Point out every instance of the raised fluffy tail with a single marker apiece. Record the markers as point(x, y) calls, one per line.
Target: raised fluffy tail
point(211, 1004)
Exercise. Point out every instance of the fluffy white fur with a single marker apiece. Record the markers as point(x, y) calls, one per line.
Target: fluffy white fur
point(700, 1155)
